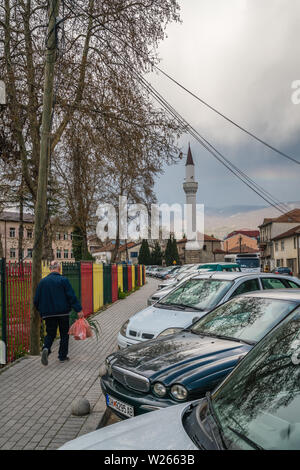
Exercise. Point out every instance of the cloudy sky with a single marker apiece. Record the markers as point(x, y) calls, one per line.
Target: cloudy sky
point(242, 57)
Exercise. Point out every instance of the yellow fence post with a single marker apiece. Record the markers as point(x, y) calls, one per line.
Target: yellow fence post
point(120, 278)
point(98, 286)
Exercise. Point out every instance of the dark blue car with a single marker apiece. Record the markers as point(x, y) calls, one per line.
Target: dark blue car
point(185, 366)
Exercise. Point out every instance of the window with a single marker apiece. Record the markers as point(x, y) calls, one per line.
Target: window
point(13, 253)
point(29, 234)
point(199, 294)
point(58, 254)
point(134, 254)
point(247, 286)
point(72, 235)
point(66, 236)
point(72, 255)
point(292, 285)
point(66, 254)
point(295, 243)
point(272, 283)
point(12, 232)
point(282, 245)
point(276, 246)
point(58, 236)
point(29, 253)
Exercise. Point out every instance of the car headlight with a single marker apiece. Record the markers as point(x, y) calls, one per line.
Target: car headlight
point(179, 392)
point(124, 328)
point(160, 390)
point(169, 331)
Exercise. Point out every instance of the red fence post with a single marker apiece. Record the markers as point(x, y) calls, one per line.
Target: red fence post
point(114, 283)
point(87, 288)
point(129, 278)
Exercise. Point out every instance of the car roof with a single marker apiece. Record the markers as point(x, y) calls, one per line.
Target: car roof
point(232, 276)
point(279, 294)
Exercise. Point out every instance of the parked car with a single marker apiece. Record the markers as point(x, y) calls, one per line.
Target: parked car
point(282, 270)
point(256, 407)
point(192, 300)
point(184, 366)
point(224, 267)
point(162, 274)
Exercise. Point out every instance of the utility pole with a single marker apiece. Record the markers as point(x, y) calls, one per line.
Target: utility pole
point(41, 202)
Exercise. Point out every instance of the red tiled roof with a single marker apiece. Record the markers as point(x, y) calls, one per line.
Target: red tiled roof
point(248, 233)
point(288, 217)
point(207, 238)
point(128, 246)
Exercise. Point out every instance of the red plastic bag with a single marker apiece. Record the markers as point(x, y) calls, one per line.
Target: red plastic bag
point(81, 330)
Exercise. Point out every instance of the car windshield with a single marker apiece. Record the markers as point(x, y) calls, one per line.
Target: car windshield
point(258, 405)
point(246, 318)
point(249, 262)
point(202, 294)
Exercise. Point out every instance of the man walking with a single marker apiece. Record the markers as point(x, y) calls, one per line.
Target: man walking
point(54, 299)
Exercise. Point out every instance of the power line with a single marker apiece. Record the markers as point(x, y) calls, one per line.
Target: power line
point(142, 54)
point(267, 197)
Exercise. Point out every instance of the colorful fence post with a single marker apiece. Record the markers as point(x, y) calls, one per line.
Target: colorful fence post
point(120, 278)
point(129, 278)
point(87, 288)
point(125, 278)
point(45, 269)
point(114, 283)
point(133, 276)
point(97, 287)
point(107, 284)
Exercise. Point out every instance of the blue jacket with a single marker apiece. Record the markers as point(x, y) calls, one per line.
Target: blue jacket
point(55, 296)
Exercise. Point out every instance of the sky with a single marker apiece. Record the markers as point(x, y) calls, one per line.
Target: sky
point(241, 56)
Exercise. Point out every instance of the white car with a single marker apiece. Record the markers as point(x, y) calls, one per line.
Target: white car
point(192, 300)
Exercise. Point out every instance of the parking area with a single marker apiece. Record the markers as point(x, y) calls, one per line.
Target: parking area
point(35, 407)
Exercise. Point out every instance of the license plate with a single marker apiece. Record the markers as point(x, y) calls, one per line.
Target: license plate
point(119, 406)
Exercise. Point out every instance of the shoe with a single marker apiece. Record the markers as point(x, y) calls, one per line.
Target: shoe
point(44, 358)
point(64, 360)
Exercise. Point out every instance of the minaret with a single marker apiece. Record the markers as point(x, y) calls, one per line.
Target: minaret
point(190, 187)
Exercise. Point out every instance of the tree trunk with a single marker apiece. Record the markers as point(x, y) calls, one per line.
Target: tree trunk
point(41, 203)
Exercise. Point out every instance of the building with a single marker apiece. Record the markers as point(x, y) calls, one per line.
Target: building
point(242, 241)
point(272, 228)
point(211, 252)
point(127, 253)
point(286, 250)
point(9, 234)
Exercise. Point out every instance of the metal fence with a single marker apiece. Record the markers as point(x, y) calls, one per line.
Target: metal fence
point(94, 286)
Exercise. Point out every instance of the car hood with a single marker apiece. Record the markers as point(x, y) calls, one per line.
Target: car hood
point(153, 320)
point(181, 358)
point(140, 433)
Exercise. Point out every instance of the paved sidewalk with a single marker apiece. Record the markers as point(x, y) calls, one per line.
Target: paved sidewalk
point(35, 405)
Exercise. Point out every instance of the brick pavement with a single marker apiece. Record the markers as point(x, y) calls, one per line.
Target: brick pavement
point(35, 405)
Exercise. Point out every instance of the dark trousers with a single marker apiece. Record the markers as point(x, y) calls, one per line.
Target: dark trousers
point(51, 327)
